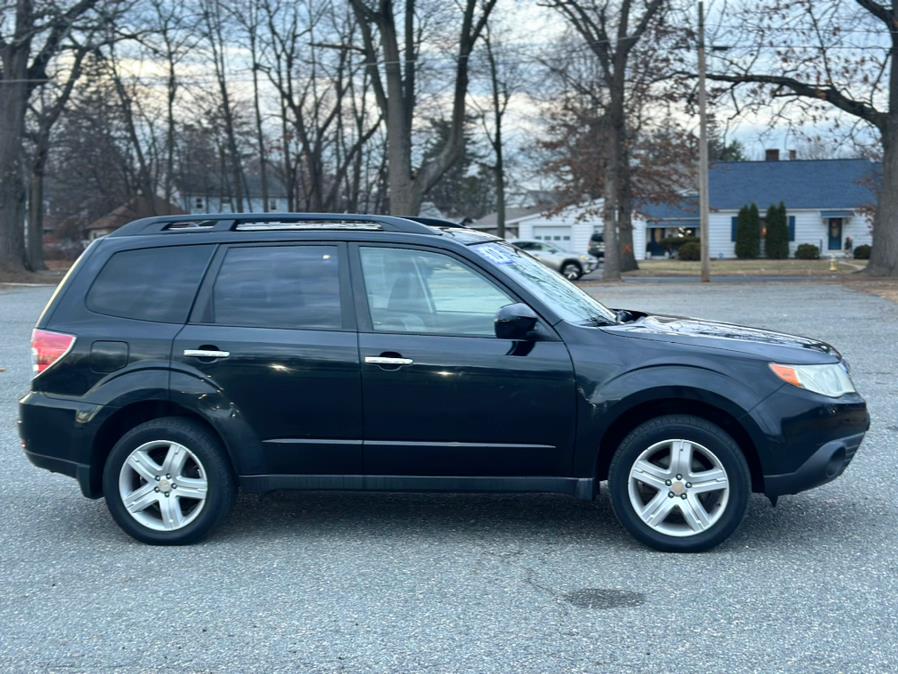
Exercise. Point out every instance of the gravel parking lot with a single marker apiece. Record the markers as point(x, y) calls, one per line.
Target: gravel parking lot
point(320, 582)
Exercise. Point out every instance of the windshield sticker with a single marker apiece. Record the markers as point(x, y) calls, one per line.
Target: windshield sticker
point(498, 254)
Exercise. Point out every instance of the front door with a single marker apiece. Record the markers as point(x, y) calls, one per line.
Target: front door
point(271, 332)
point(835, 234)
point(442, 395)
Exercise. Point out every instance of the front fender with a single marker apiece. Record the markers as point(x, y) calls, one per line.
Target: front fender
point(603, 406)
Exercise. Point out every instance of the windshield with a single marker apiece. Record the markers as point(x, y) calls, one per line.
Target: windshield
point(566, 299)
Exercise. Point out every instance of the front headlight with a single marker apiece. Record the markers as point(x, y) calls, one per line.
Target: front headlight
point(830, 380)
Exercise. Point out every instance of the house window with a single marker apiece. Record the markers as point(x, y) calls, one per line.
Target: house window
point(198, 203)
point(272, 205)
point(791, 228)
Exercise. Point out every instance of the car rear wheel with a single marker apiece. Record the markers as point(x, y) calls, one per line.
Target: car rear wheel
point(168, 482)
point(571, 271)
point(679, 483)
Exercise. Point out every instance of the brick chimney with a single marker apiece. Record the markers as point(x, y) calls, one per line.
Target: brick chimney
point(793, 155)
point(771, 154)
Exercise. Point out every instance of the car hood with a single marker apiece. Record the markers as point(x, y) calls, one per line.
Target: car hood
point(766, 344)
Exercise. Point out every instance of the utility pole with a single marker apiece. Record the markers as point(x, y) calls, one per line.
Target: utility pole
point(703, 194)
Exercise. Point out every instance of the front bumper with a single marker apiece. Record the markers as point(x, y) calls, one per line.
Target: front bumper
point(809, 439)
point(824, 465)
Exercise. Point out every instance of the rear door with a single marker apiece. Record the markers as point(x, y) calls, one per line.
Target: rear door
point(272, 329)
point(442, 395)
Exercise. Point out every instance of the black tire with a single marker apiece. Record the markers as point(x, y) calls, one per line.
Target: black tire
point(221, 491)
point(697, 430)
point(571, 267)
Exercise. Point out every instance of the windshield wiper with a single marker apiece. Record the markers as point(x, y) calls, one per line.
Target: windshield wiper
point(598, 321)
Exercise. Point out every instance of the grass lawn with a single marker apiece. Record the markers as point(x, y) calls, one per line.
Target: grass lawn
point(789, 267)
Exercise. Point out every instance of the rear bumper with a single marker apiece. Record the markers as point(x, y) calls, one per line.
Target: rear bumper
point(56, 436)
point(79, 471)
point(824, 465)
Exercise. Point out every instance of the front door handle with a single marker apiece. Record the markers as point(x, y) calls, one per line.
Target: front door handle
point(387, 360)
point(206, 353)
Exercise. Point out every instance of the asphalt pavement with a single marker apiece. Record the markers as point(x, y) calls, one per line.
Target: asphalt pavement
point(328, 582)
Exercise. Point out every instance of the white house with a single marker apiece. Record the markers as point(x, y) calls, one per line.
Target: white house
point(827, 201)
point(196, 196)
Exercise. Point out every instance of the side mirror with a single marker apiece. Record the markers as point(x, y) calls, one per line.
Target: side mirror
point(515, 321)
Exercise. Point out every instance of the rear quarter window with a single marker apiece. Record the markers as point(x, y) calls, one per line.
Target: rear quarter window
point(151, 284)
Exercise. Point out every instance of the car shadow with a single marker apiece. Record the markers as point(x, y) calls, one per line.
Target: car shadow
point(804, 521)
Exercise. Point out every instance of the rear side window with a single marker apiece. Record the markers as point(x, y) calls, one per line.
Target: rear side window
point(151, 284)
point(278, 287)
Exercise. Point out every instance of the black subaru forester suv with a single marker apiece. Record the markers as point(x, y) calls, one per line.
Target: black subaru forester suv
point(184, 357)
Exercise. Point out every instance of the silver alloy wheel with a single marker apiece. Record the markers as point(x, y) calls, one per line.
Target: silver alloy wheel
point(571, 272)
point(678, 487)
point(163, 485)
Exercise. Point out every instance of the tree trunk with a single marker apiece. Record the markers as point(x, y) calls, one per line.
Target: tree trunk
point(34, 259)
point(884, 251)
point(12, 133)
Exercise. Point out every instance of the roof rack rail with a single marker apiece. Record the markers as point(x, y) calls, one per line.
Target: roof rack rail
point(274, 224)
point(220, 222)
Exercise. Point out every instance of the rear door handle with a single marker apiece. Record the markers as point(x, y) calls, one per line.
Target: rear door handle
point(206, 353)
point(386, 360)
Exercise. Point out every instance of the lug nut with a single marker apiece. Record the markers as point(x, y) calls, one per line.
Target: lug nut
point(166, 495)
point(157, 489)
point(167, 476)
point(681, 495)
point(157, 478)
point(174, 486)
point(670, 494)
point(688, 485)
point(679, 477)
point(667, 482)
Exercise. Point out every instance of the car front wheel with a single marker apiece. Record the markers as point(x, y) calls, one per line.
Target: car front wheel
point(571, 271)
point(679, 483)
point(168, 482)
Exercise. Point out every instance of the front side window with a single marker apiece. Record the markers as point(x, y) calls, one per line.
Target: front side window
point(151, 284)
point(294, 287)
point(417, 291)
point(566, 299)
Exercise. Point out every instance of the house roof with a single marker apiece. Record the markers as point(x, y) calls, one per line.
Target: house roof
point(134, 209)
point(512, 215)
point(802, 183)
point(819, 184)
point(685, 209)
point(210, 185)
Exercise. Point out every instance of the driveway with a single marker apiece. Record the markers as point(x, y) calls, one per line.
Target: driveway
point(321, 582)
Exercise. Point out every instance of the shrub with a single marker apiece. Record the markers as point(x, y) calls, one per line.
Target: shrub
point(748, 233)
point(674, 242)
point(862, 252)
point(777, 242)
point(691, 250)
point(807, 251)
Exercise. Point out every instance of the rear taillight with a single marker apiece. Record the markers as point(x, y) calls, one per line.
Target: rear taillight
point(48, 348)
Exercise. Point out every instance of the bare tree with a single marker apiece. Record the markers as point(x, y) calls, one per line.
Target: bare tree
point(30, 38)
point(829, 63)
point(502, 73)
point(612, 29)
point(46, 111)
point(214, 28)
point(393, 75)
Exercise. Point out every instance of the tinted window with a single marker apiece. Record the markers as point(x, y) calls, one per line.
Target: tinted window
point(153, 284)
point(278, 287)
point(416, 291)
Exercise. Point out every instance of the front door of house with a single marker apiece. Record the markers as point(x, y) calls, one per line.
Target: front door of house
point(835, 234)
